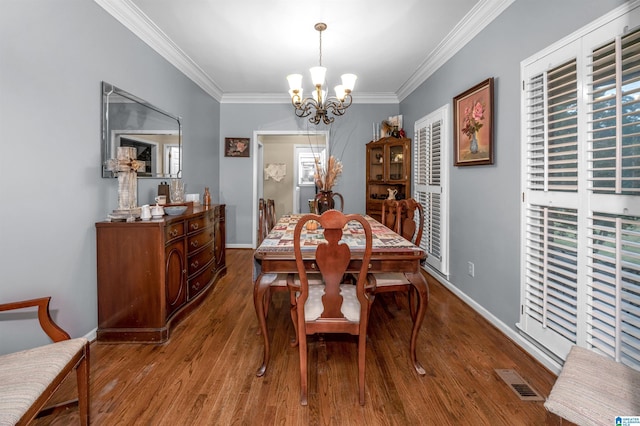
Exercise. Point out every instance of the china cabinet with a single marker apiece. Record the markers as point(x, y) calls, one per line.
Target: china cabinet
point(388, 172)
point(152, 273)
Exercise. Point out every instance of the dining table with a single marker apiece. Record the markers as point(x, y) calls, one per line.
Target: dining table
point(390, 253)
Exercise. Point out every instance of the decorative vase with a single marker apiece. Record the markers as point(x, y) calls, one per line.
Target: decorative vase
point(207, 197)
point(473, 145)
point(324, 201)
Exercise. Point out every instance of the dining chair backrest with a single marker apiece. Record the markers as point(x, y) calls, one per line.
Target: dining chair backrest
point(271, 214)
point(333, 306)
point(262, 220)
point(391, 214)
point(410, 226)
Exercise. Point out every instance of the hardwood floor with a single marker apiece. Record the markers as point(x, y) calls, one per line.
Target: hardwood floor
point(205, 374)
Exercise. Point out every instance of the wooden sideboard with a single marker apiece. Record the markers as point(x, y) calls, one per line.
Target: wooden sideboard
point(152, 273)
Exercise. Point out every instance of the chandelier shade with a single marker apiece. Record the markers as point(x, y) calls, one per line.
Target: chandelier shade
point(319, 104)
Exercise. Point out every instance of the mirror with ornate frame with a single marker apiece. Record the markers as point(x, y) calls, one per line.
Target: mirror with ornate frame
point(130, 121)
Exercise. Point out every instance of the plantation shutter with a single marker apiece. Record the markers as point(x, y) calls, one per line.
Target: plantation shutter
point(429, 187)
point(581, 188)
point(549, 310)
point(613, 311)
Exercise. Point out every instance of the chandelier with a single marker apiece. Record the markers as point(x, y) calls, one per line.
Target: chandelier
point(320, 102)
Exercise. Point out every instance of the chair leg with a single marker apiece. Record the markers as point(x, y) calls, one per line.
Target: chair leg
point(82, 377)
point(302, 349)
point(362, 346)
point(294, 318)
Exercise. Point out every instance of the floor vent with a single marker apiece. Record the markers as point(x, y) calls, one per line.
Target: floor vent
point(521, 388)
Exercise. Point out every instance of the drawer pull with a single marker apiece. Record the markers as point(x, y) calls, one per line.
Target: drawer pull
point(195, 243)
point(195, 226)
point(173, 232)
point(195, 264)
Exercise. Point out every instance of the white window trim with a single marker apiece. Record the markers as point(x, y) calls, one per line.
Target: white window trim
point(442, 115)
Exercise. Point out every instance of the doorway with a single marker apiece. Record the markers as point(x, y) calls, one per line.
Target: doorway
point(281, 169)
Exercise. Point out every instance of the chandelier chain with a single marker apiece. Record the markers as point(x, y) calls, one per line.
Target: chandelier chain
point(320, 47)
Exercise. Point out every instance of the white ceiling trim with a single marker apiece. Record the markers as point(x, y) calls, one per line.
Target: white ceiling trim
point(283, 98)
point(475, 21)
point(138, 23)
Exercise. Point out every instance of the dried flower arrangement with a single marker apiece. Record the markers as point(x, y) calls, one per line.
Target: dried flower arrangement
point(326, 177)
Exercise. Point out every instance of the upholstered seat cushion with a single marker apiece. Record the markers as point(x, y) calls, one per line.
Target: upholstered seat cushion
point(593, 390)
point(313, 278)
point(25, 375)
point(383, 279)
point(350, 308)
point(276, 280)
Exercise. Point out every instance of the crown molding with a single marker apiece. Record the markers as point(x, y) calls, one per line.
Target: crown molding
point(283, 98)
point(138, 23)
point(473, 22)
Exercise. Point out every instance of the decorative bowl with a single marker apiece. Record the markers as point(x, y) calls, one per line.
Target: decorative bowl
point(175, 210)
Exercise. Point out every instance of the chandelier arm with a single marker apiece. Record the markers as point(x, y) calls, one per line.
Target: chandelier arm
point(347, 100)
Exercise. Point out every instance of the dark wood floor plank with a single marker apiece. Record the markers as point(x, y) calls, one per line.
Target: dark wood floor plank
point(205, 373)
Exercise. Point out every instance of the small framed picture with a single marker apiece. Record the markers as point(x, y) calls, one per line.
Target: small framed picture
point(236, 147)
point(473, 125)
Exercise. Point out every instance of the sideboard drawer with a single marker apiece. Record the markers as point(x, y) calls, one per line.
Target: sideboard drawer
point(199, 240)
point(200, 281)
point(196, 262)
point(197, 223)
point(173, 230)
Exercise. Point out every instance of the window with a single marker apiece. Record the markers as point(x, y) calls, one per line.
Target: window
point(581, 186)
point(431, 189)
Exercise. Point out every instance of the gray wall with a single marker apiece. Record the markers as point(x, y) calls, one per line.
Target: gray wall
point(485, 200)
point(348, 136)
point(53, 56)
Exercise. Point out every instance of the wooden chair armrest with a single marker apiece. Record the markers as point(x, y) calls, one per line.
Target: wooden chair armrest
point(52, 329)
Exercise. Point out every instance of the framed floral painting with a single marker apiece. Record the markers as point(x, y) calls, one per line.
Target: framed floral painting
point(473, 125)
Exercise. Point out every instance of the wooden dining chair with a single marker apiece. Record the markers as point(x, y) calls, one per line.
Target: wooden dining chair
point(30, 377)
point(271, 214)
point(266, 222)
point(262, 220)
point(409, 223)
point(334, 307)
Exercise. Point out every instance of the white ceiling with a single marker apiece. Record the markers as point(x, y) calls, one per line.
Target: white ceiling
point(242, 50)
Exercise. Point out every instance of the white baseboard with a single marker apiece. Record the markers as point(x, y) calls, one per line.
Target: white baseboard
point(240, 246)
point(92, 335)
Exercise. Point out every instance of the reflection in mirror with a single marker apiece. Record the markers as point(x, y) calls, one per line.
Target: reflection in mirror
point(130, 121)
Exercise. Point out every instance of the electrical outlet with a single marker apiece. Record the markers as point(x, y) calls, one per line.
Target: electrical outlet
point(472, 268)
